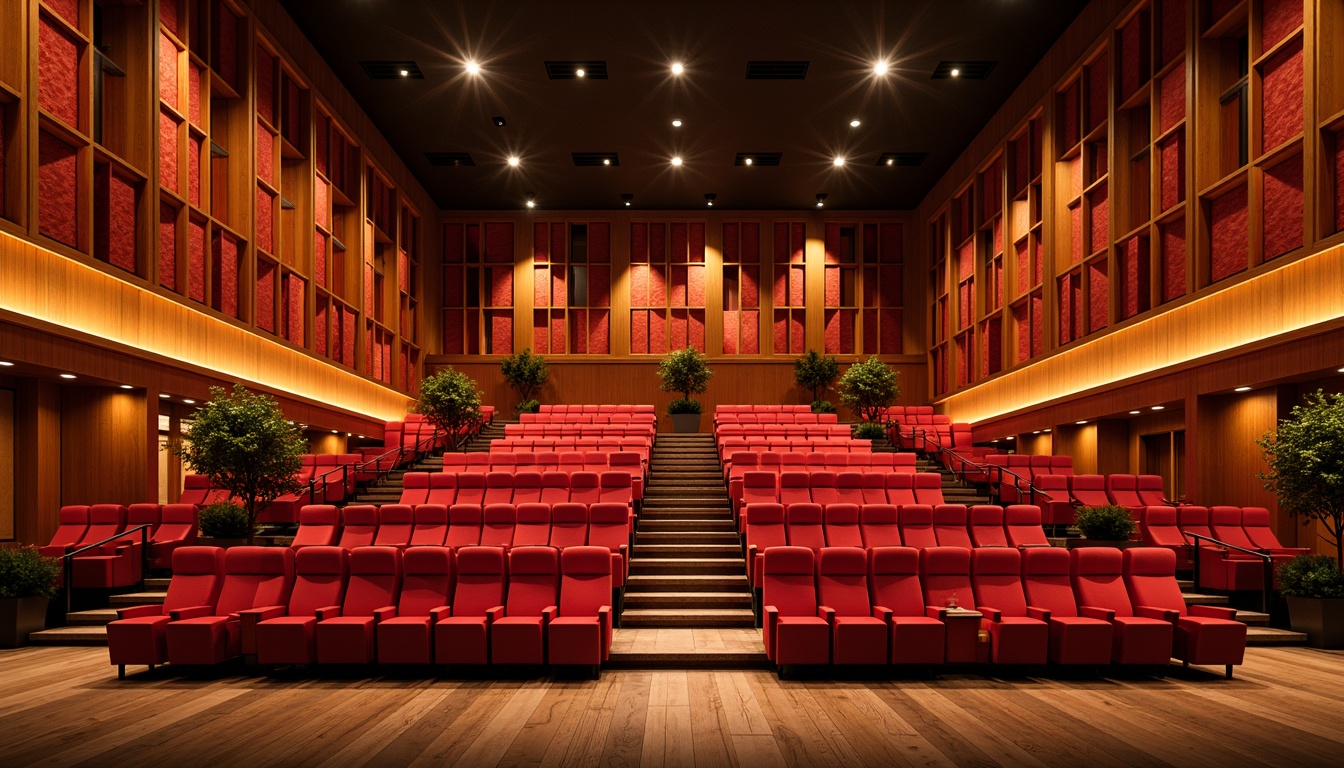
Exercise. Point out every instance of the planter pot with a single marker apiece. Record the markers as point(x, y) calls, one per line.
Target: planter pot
point(1084, 543)
point(685, 422)
point(19, 617)
point(206, 541)
point(1321, 618)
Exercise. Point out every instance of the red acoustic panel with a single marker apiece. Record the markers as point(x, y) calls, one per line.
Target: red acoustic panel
point(796, 329)
point(453, 287)
point(1075, 166)
point(965, 303)
point(320, 258)
point(1098, 284)
point(1038, 267)
point(559, 294)
point(1133, 263)
point(991, 346)
point(295, 285)
point(196, 260)
point(781, 287)
point(349, 318)
point(1022, 333)
point(167, 246)
point(57, 212)
point(541, 332)
point(541, 285)
point(639, 242)
point(731, 326)
point(225, 273)
point(658, 331)
point(369, 305)
point(1037, 324)
point(541, 243)
point(499, 242)
point(168, 16)
point(265, 86)
point(751, 333)
point(832, 332)
point(266, 304)
point(198, 75)
point(66, 9)
point(992, 198)
point(1228, 224)
point(680, 239)
point(1021, 155)
point(168, 172)
point(697, 330)
point(265, 220)
point(892, 239)
point(639, 285)
point(680, 335)
point(847, 320)
point(963, 222)
point(1171, 99)
point(998, 235)
point(678, 286)
point(452, 244)
point(1131, 56)
point(168, 56)
point(370, 361)
point(114, 219)
point(599, 285)
point(1278, 19)
point(1173, 260)
point(797, 237)
point(1283, 210)
point(831, 244)
point(1066, 299)
point(1096, 94)
point(194, 169)
point(639, 331)
point(452, 334)
point(695, 285)
point(1281, 90)
point(501, 333)
point(797, 285)
point(751, 287)
point(322, 203)
point(265, 154)
point(781, 243)
point(1023, 265)
point(599, 243)
point(226, 45)
point(731, 242)
point(1098, 219)
point(751, 243)
point(697, 244)
point(781, 331)
point(966, 260)
point(1069, 115)
point(962, 345)
point(599, 331)
point(1171, 30)
point(657, 284)
point(322, 138)
point(1339, 180)
point(57, 72)
point(500, 286)
point(1171, 159)
point(1075, 234)
point(558, 332)
point(870, 286)
point(870, 331)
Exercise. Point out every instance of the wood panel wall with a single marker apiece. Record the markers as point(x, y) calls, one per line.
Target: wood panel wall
point(37, 465)
point(103, 448)
point(6, 464)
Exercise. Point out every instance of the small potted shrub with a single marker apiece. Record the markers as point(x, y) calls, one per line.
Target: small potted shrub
point(869, 430)
point(815, 372)
point(868, 389)
point(224, 525)
point(684, 371)
point(1104, 526)
point(1314, 589)
point(27, 582)
point(450, 401)
point(526, 373)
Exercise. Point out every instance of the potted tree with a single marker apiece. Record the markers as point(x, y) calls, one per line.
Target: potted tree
point(27, 583)
point(815, 372)
point(868, 388)
point(1103, 526)
point(526, 373)
point(450, 400)
point(242, 442)
point(684, 371)
point(224, 524)
point(1306, 474)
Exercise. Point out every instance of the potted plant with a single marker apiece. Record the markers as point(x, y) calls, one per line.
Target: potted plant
point(450, 400)
point(27, 581)
point(684, 371)
point(224, 524)
point(242, 442)
point(869, 430)
point(815, 372)
point(868, 388)
point(1306, 465)
point(1103, 526)
point(1314, 588)
point(526, 373)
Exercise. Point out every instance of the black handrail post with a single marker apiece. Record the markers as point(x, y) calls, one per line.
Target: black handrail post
point(144, 556)
point(1268, 586)
point(1195, 561)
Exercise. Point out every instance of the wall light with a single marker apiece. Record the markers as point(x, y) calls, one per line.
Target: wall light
point(189, 402)
point(1135, 413)
point(1242, 389)
point(1080, 422)
point(127, 386)
point(68, 376)
point(7, 364)
point(1159, 407)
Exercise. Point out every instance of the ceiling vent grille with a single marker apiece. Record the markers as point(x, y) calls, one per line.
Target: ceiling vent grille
point(966, 70)
point(568, 70)
point(449, 159)
point(766, 159)
point(391, 70)
point(777, 70)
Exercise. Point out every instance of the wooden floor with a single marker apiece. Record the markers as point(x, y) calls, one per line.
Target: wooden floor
point(64, 706)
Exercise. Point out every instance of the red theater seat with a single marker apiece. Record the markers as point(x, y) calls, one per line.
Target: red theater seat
point(1159, 529)
point(427, 585)
point(1051, 494)
point(283, 634)
point(1015, 637)
point(841, 524)
point(1205, 634)
point(395, 523)
point(986, 526)
point(901, 489)
point(897, 599)
point(177, 528)
point(916, 521)
point(1022, 526)
point(346, 634)
point(857, 636)
point(609, 526)
point(1255, 521)
point(253, 577)
point(73, 523)
point(878, 524)
point(580, 633)
point(319, 526)
point(518, 637)
point(361, 526)
point(139, 635)
point(462, 630)
point(464, 526)
point(569, 525)
point(1074, 639)
point(949, 526)
point(431, 525)
point(803, 525)
point(793, 631)
point(498, 522)
point(1099, 587)
point(554, 487)
point(1151, 492)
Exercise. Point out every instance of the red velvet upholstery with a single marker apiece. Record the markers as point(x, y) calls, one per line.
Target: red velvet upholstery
point(1158, 529)
point(949, 526)
point(581, 631)
point(470, 489)
point(1074, 639)
point(280, 634)
point(74, 523)
point(427, 584)
point(1255, 521)
point(877, 523)
point(841, 525)
point(1204, 634)
point(319, 526)
point(1022, 526)
point(1150, 491)
point(916, 521)
point(254, 577)
point(584, 488)
point(115, 564)
point(534, 525)
point(177, 528)
point(1099, 587)
point(534, 580)
point(464, 526)
point(1015, 637)
point(897, 599)
point(498, 522)
point(1051, 495)
point(803, 524)
point(609, 526)
point(764, 529)
point(793, 488)
point(498, 489)
point(857, 637)
point(1220, 568)
point(986, 526)
point(395, 523)
point(361, 526)
point(431, 525)
point(526, 487)
point(347, 636)
point(139, 636)
point(793, 631)
point(569, 525)
point(461, 633)
point(849, 487)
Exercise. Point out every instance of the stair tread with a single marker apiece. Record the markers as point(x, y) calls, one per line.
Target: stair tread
point(673, 612)
point(138, 598)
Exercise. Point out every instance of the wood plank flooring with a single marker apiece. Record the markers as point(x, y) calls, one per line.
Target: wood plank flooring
point(65, 707)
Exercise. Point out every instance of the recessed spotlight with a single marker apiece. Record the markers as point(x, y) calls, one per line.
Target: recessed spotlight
point(880, 68)
point(1010, 437)
point(676, 123)
point(955, 72)
point(1159, 407)
point(7, 364)
point(1037, 432)
point(334, 432)
point(531, 203)
point(473, 68)
point(499, 121)
point(606, 161)
point(891, 161)
point(676, 160)
point(67, 375)
point(127, 386)
point(1084, 421)
point(165, 396)
point(627, 198)
point(189, 402)
point(579, 73)
point(746, 161)
point(854, 123)
point(837, 162)
point(821, 199)
point(1045, 431)
point(1242, 389)
point(514, 161)
point(1135, 413)
point(1341, 370)
point(349, 434)
point(709, 199)
point(677, 68)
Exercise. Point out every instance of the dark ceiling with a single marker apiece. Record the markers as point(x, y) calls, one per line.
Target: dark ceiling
point(630, 113)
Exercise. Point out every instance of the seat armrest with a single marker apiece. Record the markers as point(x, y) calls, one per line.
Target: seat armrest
point(935, 612)
point(194, 612)
point(1161, 614)
point(826, 612)
point(1213, 612)
point(990, 614)
point(771, 615)
point(1093, 612)
point(139, 611)
point(261, 614)
point(385, 613)
point(494, 614)
point(1039, 614)
point(548, 613)
point(328, 612)
point(882, 612)
point(442, 612)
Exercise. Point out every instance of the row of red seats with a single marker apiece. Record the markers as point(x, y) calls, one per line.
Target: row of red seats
point(541, 461)
point(120, 562)
point(826, 487)
point(610, 431)
point(1219, 567)
point(323, 479)
point(763, 408)
point(855, 475)
point(775, 417)
point(826, 445)
point(196, 490)
point(587, 418)
point(537, 447)
point(519, 487)
point(894, 605)
point(779, 461)
point(798, 431)
point(928, 433)
point(598, 409)
point(326, 605)
point(918, 526)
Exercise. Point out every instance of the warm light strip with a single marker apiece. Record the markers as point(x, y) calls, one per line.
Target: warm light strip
point(1296, 296)
point(45, 286)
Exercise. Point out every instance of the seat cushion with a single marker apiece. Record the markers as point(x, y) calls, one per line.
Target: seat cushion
point(859, 640)
point(345, 640)
point(461, 640)
point(142, 640)
point(1205, 640)
point(802, 640)
point(575, 640)
point(205, 640)
point(286, 640)
point(405, 640)
point(1019, 640)
point(1079, 640)
point(1138, 640)
point(917, 640)
point(517, 640)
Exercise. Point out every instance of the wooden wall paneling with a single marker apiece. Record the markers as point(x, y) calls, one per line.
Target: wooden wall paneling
point(332, 441)
point(1227, 427)
point(103, 447)
point(1153, 422)
point(1080, 442)
point(37, 461)
point(7, 444)
point(1112, 447)
point(1036, 444)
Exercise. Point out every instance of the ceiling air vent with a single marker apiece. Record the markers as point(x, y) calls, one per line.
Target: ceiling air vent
point(777, 70)
point(569, 70)
point(966, 70)
point(767, 159)
point(392, 70)
point(591, 159)
point(449, 159)
point(903, 159)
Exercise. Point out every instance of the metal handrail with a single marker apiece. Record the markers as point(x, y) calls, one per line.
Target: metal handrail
point(67, 560)
point(1266, 560)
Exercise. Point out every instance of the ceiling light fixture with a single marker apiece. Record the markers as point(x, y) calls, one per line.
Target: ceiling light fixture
point(1037, 432)
point(821, 199)
point(1010, 437)
point(955, 72)
point(709, 199)
point(854, 123)
point(1135, 413)
point(579, 72)
point(891, 161)
point(531, 203)
point(1080, 422)
point(676, 123)
point(67, 375)
point(334, 432)
point(746, 161)
point(473, 68)
point(165, 396)
point(405, 73)
point(606, 161)
point(880, 68)
point(837, 162)
point(7, 364)
point(1045, 431)
point(189, 402)
point(1159, 407)
point(498, 121)
point(677, 68)
point(627, 198)
point(676, 160)
point(514, 161)
point(1242, 389)
point(127, 386)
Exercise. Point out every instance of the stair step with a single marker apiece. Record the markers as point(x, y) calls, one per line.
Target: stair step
point(683, 582)
point(701, 617)
point(1195, 598)
point(723, 524)
point(686, 600)
point(663, 566)
point(683, 501)
point(70, 636)
point(138, 598)
point(1253, 618)
point(727, 538)
point(674, 476)
point(98, 617)
point(157, 583)
point(1255, 636)
point(692, 551)
point(685, 513)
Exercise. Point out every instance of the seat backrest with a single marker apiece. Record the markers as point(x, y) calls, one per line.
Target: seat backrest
point(569, 525)
point(177, 522)
point(986, 526)
point(427, 581)
point(480, 580)
point(431, 525)
point(554, 487)
point(144, 514)
point(395, 522)
point(878, 525)
point(470, 488)
point(320, 575)
point(996, 577)
point(198, 574)
point(1225, 522)
point(1255, 521)
point(1045, 580)
point(842, 580)
point(585, 580)
point(789, 584)
point(1150, 577)
point(255, 577)
point(498, 488)
point(1123, 490)
point(945, 573)
point(765, 526)
point(1159, 529)
point(758, 486)
point(415, 488)
point(901, 488)
point(609, 525)
point(1022, 525)
point(1150, 490)
point(534, 525)
point(584, 488)
point(105, 520)
point(464, 525)
point(1098, 579)
point(361, 526)
point(916, 522)
point(74, 521)
point(1089, 490)
point(534, 580)
point(194, 489)
point(526, 488)
point(949, 526)
point(822, 486)
point(874, 486)
point(1194, 519)
point(375, 580)
point(893, 580)
point(319, 525)
point(849, 487)
point(793, 488)
point(841, 524)
point(442, 489)
point(497, 525)
point(803, 524)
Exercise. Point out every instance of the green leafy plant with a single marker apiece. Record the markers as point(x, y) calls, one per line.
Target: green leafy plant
point(1105, 523)
point(868, 388)
point(815, 372)
point(1311, 576)
point(225, 520)
point(526, 373)
point(684, 371)
point(683, 405)
point(529, 406)
point(1306, 465)
point(869, 430)
point(242, 442)
point(450, 400)
point(25, 572)
point(822, 406)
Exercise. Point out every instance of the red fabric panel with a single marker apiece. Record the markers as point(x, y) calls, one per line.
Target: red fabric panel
point(559, 294)
point(992, 200)
point(168, 16)
point(751, 243)
point(194, 169)
point(1172, 30)
point(832, 331)
point(891, 322)
point(658, 331)
point(998, 235)
point(66, 9)
point(1171, 98)
point(991, 346)
point(296, 286)
point(226, 45)
point(679, 280)
point(1282, 89)
point(541, 243)
point(57, 214)
point(1278, 18)
point(847, 317)
point(1133, 261)
point(639, 242)
point(1075, 234)
point(966, 260)
point(1098, 282)
point(1229, 235)
point(198, 75)
point(831, 248)
point(599, 242)
point(893, 243)
point(639, 285)
point(541, 332)
point(1171, 158)
point(967, 303)
point(541, 282)
point(1023, 264)
point(168, 70)
point(1037, 266)
point(167, 246)
point(349, 318)
point(196, 260)
point(731, 253)
point(1096, 93)
point(266, 304)
point(265, 220)
point(1065, 310)
point(1173, 260)
point(1131, 57)
point(322, 203)
point(781, 288)
point(558, 332)
point(1098, 219)
point(114, 229)
point(452, 243)
point(832, 286)
point(453, 289)
point(731, 326)
point(452, 334)
point(697, 244)
point(1339, 180)
point(695, 286)
point(323, 139)
point(1283, 217)
point(265, 86)
point(639, 331)
point(751, 332)
point(1022, 323)
point(680, 331)
point(501, 333)
point(680, 238)
point(320, 258)
point(697, 330)
point(368, 291)
point(501, 286)
point(870, 286)
point(797, 239)
point(781, 331)
point(168, 175)
point(781, 243)
point(599, 332)
point(796, 332)
point(797, 280)
point(750, 286)
point(57, 72)
point(225, 273)
point(963, 351)
point(265, 154)
point(1037, 324)
point(370, 361)
point(1070, 114)
point(499, 242)
point(657, 285)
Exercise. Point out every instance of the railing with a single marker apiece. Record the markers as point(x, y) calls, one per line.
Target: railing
point(67, 560)
point(1266, 560)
